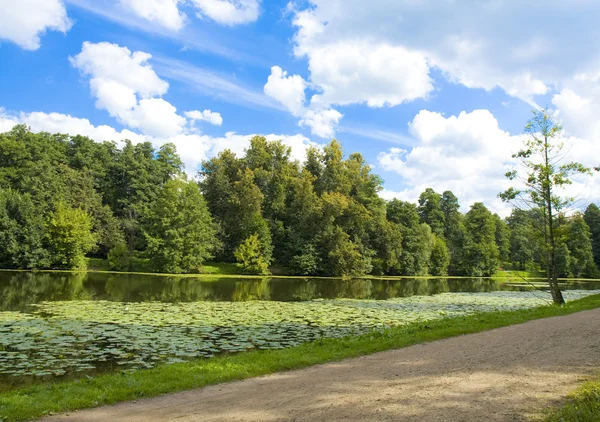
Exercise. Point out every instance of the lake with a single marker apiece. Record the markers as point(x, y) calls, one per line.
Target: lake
point(18, 290)
point(64, 325)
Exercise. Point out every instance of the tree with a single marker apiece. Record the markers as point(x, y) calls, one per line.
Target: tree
point(502, 238)
point(440, 258)
point(454, 230)
point(22, 232)
point(580, 248)
point(522, 241)
point(416, 238)
point(592, 218)
point(481, 256)
point(250, 257)
point(179, 229)
point(430, 211)
point(70, 237)
point(540, 175)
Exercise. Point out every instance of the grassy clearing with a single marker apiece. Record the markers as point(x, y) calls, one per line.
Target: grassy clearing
point(30, 402)
point(583, 405)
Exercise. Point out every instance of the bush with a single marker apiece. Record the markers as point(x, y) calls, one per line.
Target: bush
point(120, 258)
point(250, 258)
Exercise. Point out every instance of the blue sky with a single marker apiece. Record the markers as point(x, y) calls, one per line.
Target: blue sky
point(432, 93)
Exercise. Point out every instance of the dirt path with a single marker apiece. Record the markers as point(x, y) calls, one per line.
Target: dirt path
point(506, 374)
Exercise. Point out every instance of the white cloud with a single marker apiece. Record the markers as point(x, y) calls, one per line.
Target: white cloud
point(469, 155)
point(523, 48)
point(156, 117)
point(64, 123)
point(163, 12)
point(578, 104)
point(229, 12)
point(288, 90)
point(126, 86)
point(24, 21)
point(465, 154)
point(351, 72)
point(322, 122)
point(208, 116)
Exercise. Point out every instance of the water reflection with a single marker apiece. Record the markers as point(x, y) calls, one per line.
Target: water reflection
point(18, 289)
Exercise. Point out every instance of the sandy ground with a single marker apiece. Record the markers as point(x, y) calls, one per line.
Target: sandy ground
point(507, 374)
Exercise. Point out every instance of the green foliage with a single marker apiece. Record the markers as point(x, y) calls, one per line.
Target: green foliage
point(580, 248)
point(120, 258)
point(543, 175)
point(592, 218)
point(22, 233)
point(70, 236)
point(481, 256)
point(306, 262)
point(320, 217)
point(581, 406)
point(431, 212)
point(440, 258)
point(179, 229)
point(523, 245)
point(250, 257)
point(502, 238)
point(416, 238)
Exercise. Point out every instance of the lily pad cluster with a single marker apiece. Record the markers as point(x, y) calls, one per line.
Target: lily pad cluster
point(71, 337)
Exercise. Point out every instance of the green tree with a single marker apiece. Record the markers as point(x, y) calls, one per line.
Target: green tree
point(481, 256)
point(440, 257)
point(179, 229)
point(542, 176)
point(22, 232)
point(454, 230)
point(592, 218)
point(430, 211)
point(502, 238)
point(580, 248)
point(522, 239)
point(249, 255)
point(70, 237)
point(416, 238)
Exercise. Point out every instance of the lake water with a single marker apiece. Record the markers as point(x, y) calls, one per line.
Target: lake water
point(20, 289)
point(64, 325)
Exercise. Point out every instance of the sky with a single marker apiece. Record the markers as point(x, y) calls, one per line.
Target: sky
point(433, 93)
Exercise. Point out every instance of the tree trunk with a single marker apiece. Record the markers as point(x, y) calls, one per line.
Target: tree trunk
point(551, 275)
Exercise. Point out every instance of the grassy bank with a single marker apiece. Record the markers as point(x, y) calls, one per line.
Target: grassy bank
point(53, 397)
point(581, 406)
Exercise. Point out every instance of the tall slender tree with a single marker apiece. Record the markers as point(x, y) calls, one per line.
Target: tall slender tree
point(539, 176)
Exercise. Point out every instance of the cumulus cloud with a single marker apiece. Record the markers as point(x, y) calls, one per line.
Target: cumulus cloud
point(229, 12)
point(125, 85)
point(352, 72)
point(322, 122)
point(518, 47)
point(24, 21)
point(65, 123)
point(288, 90)
point(165, 13)
point(465, 154)
point(208, 116)
point(469, 155)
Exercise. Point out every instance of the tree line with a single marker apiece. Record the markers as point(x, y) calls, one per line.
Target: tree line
point(64, 198)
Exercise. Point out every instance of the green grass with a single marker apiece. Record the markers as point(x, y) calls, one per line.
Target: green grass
point(54, 397)
point(221, 268)
point(583, 405)
point(503, 274)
